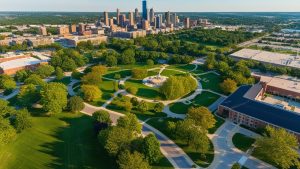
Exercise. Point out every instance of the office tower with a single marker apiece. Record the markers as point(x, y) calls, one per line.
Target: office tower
point(136, 14)
point(145, 13)
point(151, 15)
point(73, 28)
point(81, 27)
point(145, 24)
point(122, 20)
point(174, 19)
point(106, 21)
point(111, 22)
point(118, 14)
point(167, 18)
point(43, 30)
point(187, 23)
point(159, 20)
point(131, 18)
point(63, 30)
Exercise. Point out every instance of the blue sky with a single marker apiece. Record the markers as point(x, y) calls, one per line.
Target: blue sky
point(159, 5)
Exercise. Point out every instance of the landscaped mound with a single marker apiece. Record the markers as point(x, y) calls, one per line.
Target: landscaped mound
point(178, 86)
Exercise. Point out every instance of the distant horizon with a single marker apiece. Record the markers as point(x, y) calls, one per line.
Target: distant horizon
point(161, 11)
point(158, 5)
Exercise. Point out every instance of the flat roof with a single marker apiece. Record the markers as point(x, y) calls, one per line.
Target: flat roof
point(268, 57)
point(23, 62)
point(262, 111)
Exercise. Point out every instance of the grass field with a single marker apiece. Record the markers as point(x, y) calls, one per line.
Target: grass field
point(194, 155)
point(123, 73)
point(187, 67)
point(211, 81)
point(143, 90)
point(169, 73)
point(242, 142)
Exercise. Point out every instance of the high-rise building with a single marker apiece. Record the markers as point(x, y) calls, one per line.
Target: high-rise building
point(122, 20)
point(168, 18)
point(81, 27)
point(111, 22)
point(145, 13)
point(151, 16)
point(63, 30)
point(187, 23)
point(131, 18)
point(72, 28)
point(43, 30)
point(106, 21)
point(174, 19)
point(118, 14)
point(159, 20)
point(136, 14)
point(145, 24)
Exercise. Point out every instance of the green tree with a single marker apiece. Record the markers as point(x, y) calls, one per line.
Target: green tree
point(133, 90)
point(127, 58)
point(127, 106)
point(59, 73)
point(7, 82)
point(130, 122)
point(151, 149)
point(35, 80)
point(142, 106)
point(45, 71)
point(139, 73)
point(100, 70)
point(228, 86)
point(150, 62)
point(126, 160)
point(115, 139)
point(28, 95)
point(54, 97)
point(75, 104)
point(22, 120)
point(111, 60)
point(7, 132)
point(278, 146)
point(90, 92)
point(21, 75)
point(159, 107)
point(102, 117)
point(236, 166)
point(202, 117)
point(92, 78)
point(5, 109)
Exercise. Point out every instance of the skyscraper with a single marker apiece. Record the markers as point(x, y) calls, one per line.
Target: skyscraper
point(174, 19)
point(145, 14)
point(159, 20)
point(168, 18)
point(106, 21)
point(122, 19)
point(187, 23)
point(152, 15)
point(131, 18)
point(136, 16)
point(118, 15)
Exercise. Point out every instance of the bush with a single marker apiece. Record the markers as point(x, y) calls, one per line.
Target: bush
point(132, 90)
point(22, 120)
point(90, 92)
point(75, 104)
point(139, 73)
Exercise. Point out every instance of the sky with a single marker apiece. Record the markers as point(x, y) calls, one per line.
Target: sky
point(158, 5)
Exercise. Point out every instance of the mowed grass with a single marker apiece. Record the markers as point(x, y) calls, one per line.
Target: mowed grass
point(122, 73)
point(161, 125)
point(62, 141)
point(242, 142)
point(186, 67)
point(169, 73)
point(143, 90)
point(212, 82)
point(204, 99)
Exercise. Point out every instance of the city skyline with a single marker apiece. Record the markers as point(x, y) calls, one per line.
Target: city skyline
point(172, 5)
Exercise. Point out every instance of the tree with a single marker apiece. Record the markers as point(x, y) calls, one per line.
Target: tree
point(59, 73)
point(100, 70)
point(115, 139)
point(111, 60)
point(134, 101)
point(130, 122)
point(92, 78)
point(278, 146)
point(159, 107)
point(76, 75)
point(126, 160)
point(5, 109)
point(236, 166)
point(7, 132)
point(7, 82)
point(54, 97)
point(45, 71)
point(151, 149)
point(150, 62)
point(228, 86)
point(202, 117)
point(127, 106)
point(28, 95)
point(21, 75)
point(22, 120)
point(139, 73)
point(210, 62)
point(90, 92)
point(133, 90)
point(35, 80)
point(75, 104)
point(102, 117)
point(142, 106)
point(127, 58)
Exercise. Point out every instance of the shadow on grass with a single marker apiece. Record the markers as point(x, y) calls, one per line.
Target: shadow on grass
point(76, 146)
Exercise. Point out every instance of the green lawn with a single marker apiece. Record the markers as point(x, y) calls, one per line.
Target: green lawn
point(194, 155)
point(179, 107)
point(211, 81)
point(187, 67)
point(65, 80)
point(143, 90)
point(169, 73)
point(61, 141)
point(242, 142)
point(123, 73)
